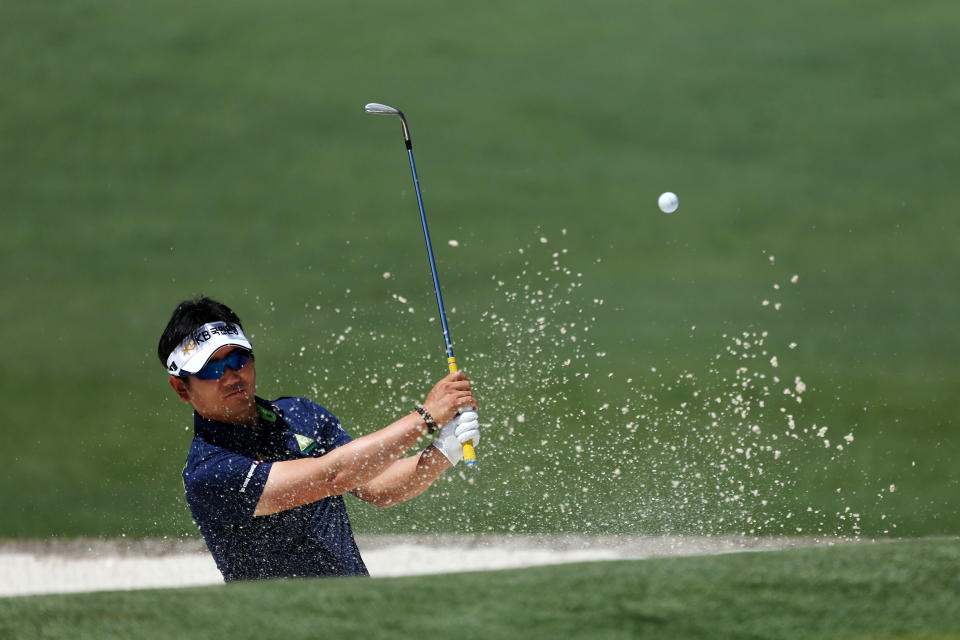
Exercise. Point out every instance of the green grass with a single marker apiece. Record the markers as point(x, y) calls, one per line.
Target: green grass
point(889, 590)
point(151, 153)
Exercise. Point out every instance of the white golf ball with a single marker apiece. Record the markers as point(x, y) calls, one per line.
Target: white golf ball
point(668, 202)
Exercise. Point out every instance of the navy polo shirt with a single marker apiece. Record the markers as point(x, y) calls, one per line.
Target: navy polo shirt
point(226, 470)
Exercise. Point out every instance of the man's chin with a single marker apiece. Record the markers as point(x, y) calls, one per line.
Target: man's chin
point(238, 404)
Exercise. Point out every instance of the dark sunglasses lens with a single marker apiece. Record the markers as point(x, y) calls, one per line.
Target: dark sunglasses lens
point(214, 370)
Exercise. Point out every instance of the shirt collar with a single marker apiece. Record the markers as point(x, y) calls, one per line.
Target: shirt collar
point(240, 438)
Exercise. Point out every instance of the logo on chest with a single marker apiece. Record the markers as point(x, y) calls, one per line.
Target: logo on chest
point(307, 445)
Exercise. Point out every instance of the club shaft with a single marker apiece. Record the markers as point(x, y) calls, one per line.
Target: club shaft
point(433, 263)
point(469, 453)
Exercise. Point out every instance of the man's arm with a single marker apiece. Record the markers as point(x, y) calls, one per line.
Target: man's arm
point(293, 483)
point(409, 477)
point(404, 479)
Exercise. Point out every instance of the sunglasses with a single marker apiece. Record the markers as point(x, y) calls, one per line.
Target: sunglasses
point(215, 370)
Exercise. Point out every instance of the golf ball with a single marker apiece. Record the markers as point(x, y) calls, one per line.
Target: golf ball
point(668, 202)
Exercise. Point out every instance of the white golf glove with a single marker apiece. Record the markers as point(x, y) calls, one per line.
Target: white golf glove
point(465, 426)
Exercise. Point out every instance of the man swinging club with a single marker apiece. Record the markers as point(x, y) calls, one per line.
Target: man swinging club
point(265, 479)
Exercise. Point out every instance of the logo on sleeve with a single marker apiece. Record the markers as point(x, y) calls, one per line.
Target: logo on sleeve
point(306, 444)
point(246, 480)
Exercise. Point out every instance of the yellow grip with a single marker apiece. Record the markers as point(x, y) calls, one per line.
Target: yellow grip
point(469, 453)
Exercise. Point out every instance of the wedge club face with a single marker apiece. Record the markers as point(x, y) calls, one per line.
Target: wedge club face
point(387, 110)
point(383, 109)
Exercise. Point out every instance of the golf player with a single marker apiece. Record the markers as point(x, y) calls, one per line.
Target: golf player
point(265, 479)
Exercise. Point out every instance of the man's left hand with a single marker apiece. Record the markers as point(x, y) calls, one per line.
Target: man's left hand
point(463, 427)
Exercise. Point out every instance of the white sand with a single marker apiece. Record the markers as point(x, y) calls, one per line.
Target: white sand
point(66, 566)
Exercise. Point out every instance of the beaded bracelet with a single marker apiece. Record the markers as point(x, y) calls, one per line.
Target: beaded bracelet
point(427, 418)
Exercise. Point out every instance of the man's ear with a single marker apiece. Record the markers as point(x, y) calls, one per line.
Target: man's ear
point(180, 387)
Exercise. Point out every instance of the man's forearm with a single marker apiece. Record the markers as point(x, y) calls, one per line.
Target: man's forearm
point(292, 483)
point(404, 479)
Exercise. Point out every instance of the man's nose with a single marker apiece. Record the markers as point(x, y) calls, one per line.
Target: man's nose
point(229, 373)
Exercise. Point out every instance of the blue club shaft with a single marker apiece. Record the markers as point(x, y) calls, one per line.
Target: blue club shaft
point(433, 264)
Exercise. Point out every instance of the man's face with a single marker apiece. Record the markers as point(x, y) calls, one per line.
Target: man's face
point(229, 399)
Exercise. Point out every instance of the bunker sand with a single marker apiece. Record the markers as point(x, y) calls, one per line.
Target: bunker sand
point(30, 567)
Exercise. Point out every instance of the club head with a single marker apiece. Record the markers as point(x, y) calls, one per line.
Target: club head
point(387, 110)
point(382, 109)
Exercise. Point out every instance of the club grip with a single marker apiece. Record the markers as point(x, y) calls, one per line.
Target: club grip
point(469, 454)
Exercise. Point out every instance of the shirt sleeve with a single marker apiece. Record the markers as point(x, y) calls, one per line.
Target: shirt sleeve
point(335, 432)
point(329, 429)
point(309, 418)
point(225, 485)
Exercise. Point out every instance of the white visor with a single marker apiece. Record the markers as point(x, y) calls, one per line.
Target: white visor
point(195, 351)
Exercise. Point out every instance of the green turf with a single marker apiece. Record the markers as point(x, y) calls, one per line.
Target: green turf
point(152, 152)
point(889, 590)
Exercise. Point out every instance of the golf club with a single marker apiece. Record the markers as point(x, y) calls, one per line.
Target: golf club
point(469, 454)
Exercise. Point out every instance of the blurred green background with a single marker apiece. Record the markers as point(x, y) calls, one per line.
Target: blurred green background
point(154, 152)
